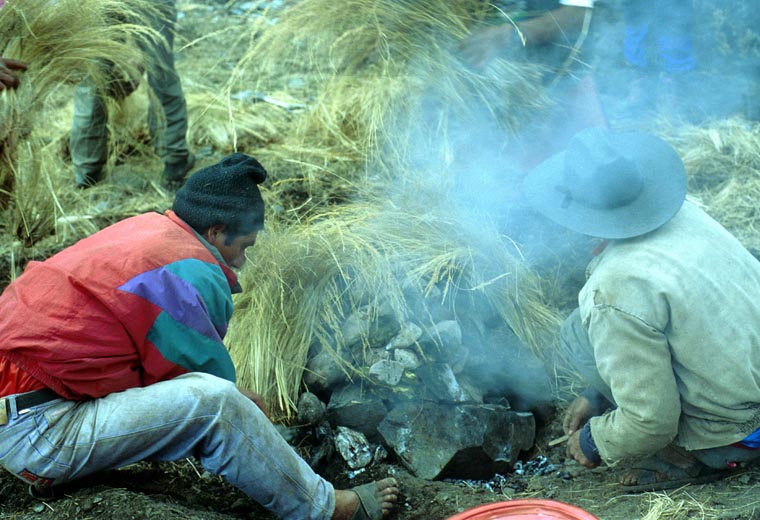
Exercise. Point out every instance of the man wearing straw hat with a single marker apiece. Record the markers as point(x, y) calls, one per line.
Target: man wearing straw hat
point(111, 353)
point(667, 333)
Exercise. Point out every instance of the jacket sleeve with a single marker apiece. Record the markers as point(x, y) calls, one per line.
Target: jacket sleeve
point(634, 359)
point(192, 304)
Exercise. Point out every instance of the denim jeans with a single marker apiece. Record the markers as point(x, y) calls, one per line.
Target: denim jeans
point(575, 342)
point(193, 415)
point(668, 25)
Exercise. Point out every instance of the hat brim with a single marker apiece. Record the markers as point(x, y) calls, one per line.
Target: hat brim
point(662, 195)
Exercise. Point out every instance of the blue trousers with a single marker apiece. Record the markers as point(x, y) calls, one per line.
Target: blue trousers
point(658, 34)
point(194, 415)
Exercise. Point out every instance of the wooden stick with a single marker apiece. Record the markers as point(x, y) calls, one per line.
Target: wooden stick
point(559, 440)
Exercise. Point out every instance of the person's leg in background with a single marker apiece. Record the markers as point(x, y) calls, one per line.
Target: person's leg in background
point(167, 117)
point(675, 25)
point(676, 59)
point(638, 17)
point(88, 142)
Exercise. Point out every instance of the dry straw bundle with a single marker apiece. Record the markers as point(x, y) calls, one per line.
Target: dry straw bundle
point(385, 73)
point(227, 125)
point(62, 43)
point(305, 279)
point(679, 506)
point(723, 166)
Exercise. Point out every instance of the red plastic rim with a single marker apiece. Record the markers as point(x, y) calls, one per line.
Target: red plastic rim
point(525, 509)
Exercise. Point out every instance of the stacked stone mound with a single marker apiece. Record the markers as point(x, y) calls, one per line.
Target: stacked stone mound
point(449, 389)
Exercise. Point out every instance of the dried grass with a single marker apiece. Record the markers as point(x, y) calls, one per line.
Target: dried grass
point(723, 167)
point(677, 506)
point(62, 43)
point(228, 125)
point(385, 77)
point(305, 278)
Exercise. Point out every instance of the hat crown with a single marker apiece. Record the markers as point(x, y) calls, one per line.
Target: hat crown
point(609, 185)
point(597, 176)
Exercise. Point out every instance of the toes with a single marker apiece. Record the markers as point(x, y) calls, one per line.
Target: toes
point(386, 483)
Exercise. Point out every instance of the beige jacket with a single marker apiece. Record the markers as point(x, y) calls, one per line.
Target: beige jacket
point(674, 320)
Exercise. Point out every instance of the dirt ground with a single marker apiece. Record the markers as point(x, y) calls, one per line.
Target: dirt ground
point(183, 491)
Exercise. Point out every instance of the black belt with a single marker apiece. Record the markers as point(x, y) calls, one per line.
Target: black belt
point(24, 402)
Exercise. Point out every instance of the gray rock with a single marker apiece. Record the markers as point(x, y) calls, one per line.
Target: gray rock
point(406, 337)
point(459, 441)
point(408, 359)
point(310, 409)
point(373, 325)
point(355, 407)
point(387, 372)
point(323, 372)
point(444, 342)
point(353, 447)
point(440, 383)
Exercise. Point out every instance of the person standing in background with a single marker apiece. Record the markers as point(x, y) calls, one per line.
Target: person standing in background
point(658, 46)
point(550, 32)
point(89, 132)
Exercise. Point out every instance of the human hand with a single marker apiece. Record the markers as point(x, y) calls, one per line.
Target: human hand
point(8, 78)
point(575, 452)
point(576, 415)
point(256, 398)
point(486, 44)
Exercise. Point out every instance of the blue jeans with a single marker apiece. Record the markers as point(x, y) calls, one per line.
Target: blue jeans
point(194, 415)
point(666, 25)
point(577, 346)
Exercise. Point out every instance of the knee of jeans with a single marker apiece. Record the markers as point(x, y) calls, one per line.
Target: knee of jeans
point(212, 393)
point(216, 396)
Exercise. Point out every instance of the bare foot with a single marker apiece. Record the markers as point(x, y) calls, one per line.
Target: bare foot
point(347, 501)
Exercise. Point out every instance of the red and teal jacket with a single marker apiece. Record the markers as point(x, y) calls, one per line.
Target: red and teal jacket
point(142, 301)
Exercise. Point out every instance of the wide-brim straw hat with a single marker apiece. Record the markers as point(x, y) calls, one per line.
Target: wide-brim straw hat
point(609, 185)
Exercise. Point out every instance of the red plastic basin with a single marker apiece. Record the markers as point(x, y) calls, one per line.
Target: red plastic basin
point(525, 509)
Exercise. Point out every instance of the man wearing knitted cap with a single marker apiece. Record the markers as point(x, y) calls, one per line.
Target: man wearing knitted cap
point(667, 333)
point(111, 352)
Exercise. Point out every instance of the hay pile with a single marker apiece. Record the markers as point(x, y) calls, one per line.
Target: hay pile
point(723, 167)
point(379, 78)
point(385, 85)
point(305, 279)
point(62, 43)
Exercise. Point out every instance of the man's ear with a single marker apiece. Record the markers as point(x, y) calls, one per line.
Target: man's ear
point(212, 233)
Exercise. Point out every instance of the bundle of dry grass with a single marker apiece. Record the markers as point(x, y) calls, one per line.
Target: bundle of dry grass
point(228, 124)
point(385, 74)
point(62, 43)
point(679, 506)
point(305, 279)
point(723, 166)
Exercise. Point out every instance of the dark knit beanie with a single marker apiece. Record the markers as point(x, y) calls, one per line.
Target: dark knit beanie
point(224, 193)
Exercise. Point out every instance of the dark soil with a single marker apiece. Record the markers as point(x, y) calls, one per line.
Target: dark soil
point(183, 490)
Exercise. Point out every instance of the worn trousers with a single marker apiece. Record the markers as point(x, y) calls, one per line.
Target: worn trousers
point(668, 26)
point(576, 344)
point(167, 113)
point(194, 415)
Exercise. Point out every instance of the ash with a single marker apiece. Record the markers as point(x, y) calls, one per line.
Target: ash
point(515, 481)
